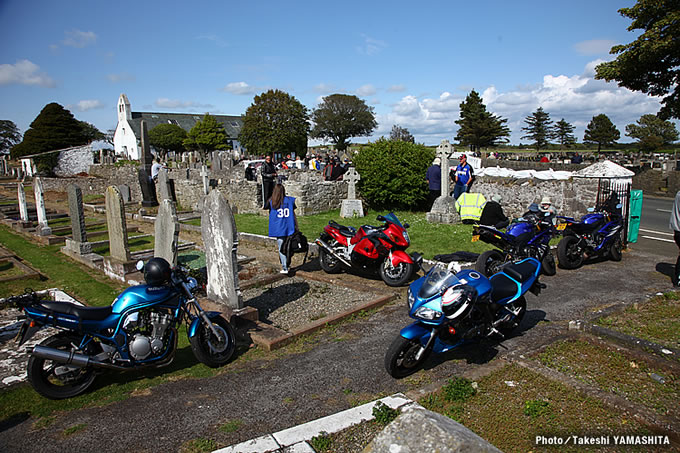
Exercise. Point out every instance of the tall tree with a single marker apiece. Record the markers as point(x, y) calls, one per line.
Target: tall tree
point(167, 137)
point(479, 128)
point(563, 132)
point(91, 133)
point(207, 135)
point(9, 135)
point(275, 121)
point(401, 134)
point(340, 117)
point(602, 131)
point(538, 128)
point(651, 63)
point(54, 128)
point(652, 132)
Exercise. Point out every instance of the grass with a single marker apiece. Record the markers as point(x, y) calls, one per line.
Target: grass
point(231, 426)
point(135, 245)
point(656, 320)
point(198, 445)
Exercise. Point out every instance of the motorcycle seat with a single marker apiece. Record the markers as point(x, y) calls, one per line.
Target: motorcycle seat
point(344, 230)
point(521, 271)
point(84, 313)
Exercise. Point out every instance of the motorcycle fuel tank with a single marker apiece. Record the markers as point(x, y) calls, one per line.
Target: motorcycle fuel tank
point(590, 219)
point(141, 295)
point(519, 228)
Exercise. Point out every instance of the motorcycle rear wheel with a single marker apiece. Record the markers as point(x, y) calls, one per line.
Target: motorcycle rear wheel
point(211, 350)
point(489, 263)
point(569, 254)
point(328, 262)
point(548, 265)
point(56, 380)
point(616, 248)
point(395, 275)
point(400, 359)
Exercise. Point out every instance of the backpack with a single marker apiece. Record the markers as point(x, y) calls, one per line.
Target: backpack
point(295, 243)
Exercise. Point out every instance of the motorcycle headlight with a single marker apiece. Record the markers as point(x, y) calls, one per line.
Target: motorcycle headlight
point(427, 313)
point(406, 238)
point(411, 298)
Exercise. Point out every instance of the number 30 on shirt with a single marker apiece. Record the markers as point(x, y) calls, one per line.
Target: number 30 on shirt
point(283, 212)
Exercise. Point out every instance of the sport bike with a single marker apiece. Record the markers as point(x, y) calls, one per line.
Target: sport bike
point(138, 330)
point(596, 234)
point(369, 247)
point(451, 310)
point(528, 236)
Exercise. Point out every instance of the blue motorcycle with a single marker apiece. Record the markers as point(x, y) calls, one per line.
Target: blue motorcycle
point(595, 234)
point(528, 236)
point(138, 330)
point(452, 310)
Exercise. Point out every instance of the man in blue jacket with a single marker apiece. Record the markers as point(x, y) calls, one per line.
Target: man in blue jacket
point(462, 176)
point(434, 181)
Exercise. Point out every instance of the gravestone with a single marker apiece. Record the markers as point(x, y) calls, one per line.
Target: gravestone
point(220, 239)
point(149, 198)
point(167, 232)
point(166, 186)
point(216, 161)
point(115, 218)
point(42, 229)
point(125, 193)
point(444, 207)
point(351, 207)
point(23, 207)
point(205, 179)
point(3, 167)
point(78, 242)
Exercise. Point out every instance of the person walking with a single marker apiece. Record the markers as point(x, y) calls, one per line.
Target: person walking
point(433, 176)
point(675, 226)
point(282, 220)
point(268, 171)
point(462, 176)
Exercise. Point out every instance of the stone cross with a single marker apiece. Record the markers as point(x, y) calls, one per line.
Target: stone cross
point(205, 179)
point(23, 208)
point(444, 207)
point(78, 243)
point(115, 218)
point(220, 239)
point(352, 177)
point(444, 150)
point(43, 229)
point(167, 232)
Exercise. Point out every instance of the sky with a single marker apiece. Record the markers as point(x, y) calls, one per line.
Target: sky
point(414, 63)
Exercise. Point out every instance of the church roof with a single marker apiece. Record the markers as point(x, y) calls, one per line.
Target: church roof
point(232, 124)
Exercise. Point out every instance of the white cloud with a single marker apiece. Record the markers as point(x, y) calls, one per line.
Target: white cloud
point(79, 39)
point(366, 90)
point(239, 88)
point(325, 88)
point(87, 104)
point(396, 89)
point(122, 77)
point(24, 72)
point(594, 46)
point(370, 46)
point(185, 105)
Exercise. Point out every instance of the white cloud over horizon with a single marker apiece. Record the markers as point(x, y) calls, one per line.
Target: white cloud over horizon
point(24, 72)
point(86, 105)
point(366, 90)
point(239, 88)
point(79, 39)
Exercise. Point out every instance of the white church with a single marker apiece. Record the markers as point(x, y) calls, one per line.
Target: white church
point(127, 138)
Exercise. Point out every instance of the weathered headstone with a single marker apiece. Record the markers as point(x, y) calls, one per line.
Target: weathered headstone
point(444, 207)
point(125, 193)
point(166, 186)
point(115, 218)
point(147, 157)
point(220, 239)
point(167, 232)
point(42, 229)
point(23, 207)
point(78, 242)
point(149, 198)
point(351, 207)
point(205, 179)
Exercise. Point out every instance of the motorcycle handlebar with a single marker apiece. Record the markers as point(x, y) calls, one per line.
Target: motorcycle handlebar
point(21, 300)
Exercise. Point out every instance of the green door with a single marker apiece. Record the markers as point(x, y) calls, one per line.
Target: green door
point(634, 215)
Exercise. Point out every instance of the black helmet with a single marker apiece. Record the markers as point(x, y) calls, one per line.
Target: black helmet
point(157, 272)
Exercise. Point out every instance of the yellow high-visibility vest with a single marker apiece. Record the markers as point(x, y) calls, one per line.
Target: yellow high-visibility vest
point(470, 206)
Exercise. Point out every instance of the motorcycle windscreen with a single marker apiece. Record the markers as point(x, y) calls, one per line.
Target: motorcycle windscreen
point(438, 278)
point(393, 219)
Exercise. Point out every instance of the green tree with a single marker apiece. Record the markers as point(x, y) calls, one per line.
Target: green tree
point(207, 135)
point(9, 135)
point(275, 121)
point(479, 128)
point(652, 132)
point(563, 132)
point(91, 133)
point(651, 63)
point(602, 131)
point(401, 134)
point(392, 173)
point(340, 117)
point(539, 128)
point(54, 128)
point(167, 137)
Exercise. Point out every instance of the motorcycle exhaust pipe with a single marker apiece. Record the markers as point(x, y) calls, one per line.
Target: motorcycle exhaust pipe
point(70, 358)
point(332, 252)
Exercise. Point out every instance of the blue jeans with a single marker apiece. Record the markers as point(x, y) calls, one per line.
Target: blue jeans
point(458, 190)
point(282, 257)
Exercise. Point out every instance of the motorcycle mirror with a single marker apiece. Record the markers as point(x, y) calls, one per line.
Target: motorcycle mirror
point(140, 265)
point(619, 206)
point(380, 218)
point(406, 225)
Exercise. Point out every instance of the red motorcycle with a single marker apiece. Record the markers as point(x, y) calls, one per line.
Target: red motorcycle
point(382, 247)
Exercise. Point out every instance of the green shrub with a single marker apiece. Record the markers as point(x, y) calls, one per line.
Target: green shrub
point(534, 408)
point(393, 174)
point(322, 442)
point(458, 389)
point(384, 414)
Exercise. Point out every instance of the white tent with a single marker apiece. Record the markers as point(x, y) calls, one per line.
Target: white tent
point(605, 169)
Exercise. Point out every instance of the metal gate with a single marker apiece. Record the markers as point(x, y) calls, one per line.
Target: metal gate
point(621, 190)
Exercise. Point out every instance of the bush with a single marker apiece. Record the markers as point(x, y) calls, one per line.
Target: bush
point(458, 389)
point(384, 414)
point(393, 174)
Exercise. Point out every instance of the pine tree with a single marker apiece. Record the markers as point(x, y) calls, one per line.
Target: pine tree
point(479, 128)
point(602, 131)
point(563, 132)
point(539, 128)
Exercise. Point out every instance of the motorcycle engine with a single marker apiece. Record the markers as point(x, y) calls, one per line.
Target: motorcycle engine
point(146, 330)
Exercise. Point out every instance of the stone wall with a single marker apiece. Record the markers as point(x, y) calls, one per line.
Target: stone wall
point(74, 161)
point(657, 182)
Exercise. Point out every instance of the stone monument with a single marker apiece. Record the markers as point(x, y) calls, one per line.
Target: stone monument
point(166, 186)
point(115, 218)
point(23, 207)
point(444, 207)
point(77, 244)
point(147, 185)
point(42, 229)
point(205, 179)
point(351, 207)
point(167, 232)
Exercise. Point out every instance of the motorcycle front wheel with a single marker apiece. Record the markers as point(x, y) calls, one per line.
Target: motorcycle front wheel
point(569, 253)
point(212, 350)
point(616, 248)
point(395, 275)
point(56, 380)
point(400, 359)
point(489, 263)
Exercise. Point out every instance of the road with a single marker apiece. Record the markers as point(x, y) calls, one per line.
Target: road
point(331, 372)
point(655, 235)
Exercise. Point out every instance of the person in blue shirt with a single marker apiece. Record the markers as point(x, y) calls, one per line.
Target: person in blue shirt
point(282, 220)
point(434, 181)
point(462, 176)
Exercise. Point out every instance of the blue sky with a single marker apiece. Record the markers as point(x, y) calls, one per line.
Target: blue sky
point(414, 62)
